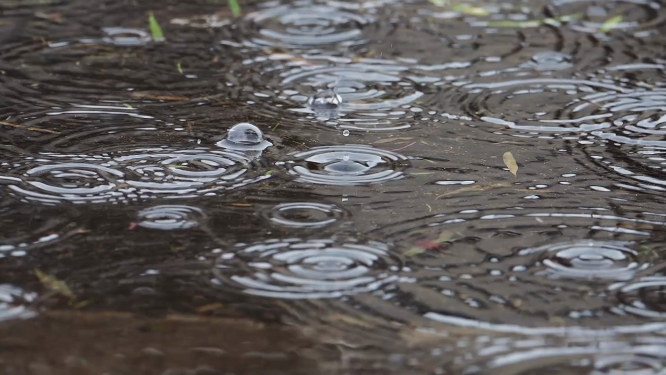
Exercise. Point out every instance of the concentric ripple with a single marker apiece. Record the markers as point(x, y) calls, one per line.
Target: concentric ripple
point(75, 181)
point(644, 297)
point(374, 95)
point(130, 175)
point(184, 173)
point(170, 217)
point(304, 214)
point(557, 107)
point(346, 165)
point(645, 357)
point(306, 26)
point(313, 269)
point(469, 263)
point(588, 260)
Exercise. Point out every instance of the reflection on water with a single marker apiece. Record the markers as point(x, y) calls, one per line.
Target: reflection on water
point(335, 168)
point(313, 269)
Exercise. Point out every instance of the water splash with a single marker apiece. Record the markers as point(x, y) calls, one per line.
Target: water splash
point(325, 104)
point(313, 269)
point(346, 165)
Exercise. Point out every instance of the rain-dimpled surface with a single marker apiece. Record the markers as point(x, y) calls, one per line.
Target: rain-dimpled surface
point(319, 187)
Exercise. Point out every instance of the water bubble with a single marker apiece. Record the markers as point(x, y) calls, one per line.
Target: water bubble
point(345, 133)
point(304, 215)
point(589, 260)
point(347, 165)
point(244, 137)
point(170, 217)
point(314, 269)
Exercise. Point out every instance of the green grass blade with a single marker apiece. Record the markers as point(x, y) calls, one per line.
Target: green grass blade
point(235, 8)
point(610, 24)
point(155, 28)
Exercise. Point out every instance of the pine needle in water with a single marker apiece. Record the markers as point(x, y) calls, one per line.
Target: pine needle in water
point(235, 8)
point(510, 163)
point(155, 29)
point(610, 24)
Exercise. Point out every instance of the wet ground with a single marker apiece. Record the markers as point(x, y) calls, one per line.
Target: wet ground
point(327, 187)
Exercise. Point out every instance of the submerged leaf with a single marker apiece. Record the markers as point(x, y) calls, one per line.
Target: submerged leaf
point(180, 67)
point(54, 284)
point(610, 24)
point(155, 28)
point(469, 10)
point(510, 163)
point(437, 244)
point(235, 7)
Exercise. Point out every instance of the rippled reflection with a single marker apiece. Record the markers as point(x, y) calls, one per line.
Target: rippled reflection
point(297, 269)
point(306, 26)
point(130, 175)
point(644, 297)
point(170, 217)
point(13, 303)
point(605, 357)
point(588, 259)
point(346, 165)
point(304, 214)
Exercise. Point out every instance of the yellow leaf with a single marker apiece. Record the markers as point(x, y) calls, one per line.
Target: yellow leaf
point(470, 10)
point(610, 24)
point(510, 163)
point(54, 284)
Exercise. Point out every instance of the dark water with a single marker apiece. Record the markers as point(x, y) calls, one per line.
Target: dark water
point(361, 219)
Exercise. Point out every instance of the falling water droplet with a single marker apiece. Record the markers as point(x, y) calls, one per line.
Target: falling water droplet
point(325, 103)
point(245, 137)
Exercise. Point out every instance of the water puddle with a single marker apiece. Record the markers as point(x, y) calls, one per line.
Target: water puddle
point(376, 186)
